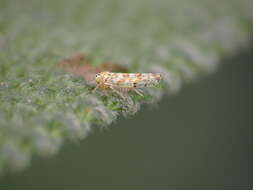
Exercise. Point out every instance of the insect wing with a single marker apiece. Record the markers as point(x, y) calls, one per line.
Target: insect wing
point(129, 80)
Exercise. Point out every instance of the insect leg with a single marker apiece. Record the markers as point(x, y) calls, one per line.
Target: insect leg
point(98, 85)
point(118, 92)
point(138, 92)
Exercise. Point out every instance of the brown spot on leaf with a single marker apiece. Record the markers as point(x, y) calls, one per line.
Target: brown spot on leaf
point(79, 64)
point(112, 67)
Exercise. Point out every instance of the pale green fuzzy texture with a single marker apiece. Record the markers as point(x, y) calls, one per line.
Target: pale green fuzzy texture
point(41, 106)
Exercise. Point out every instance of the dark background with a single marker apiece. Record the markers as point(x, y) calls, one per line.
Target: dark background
point(198, 139)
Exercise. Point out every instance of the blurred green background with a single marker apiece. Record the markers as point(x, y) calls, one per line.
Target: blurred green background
point(197, 139)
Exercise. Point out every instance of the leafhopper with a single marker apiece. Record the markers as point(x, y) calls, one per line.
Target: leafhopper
point(124, 82)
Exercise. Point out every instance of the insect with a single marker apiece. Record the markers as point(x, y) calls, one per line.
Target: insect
point(124, 82)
